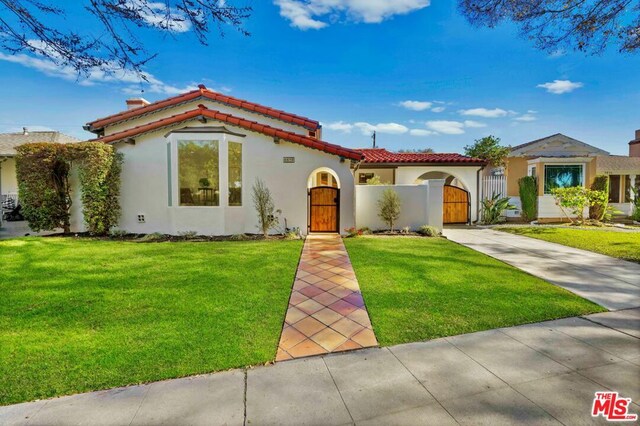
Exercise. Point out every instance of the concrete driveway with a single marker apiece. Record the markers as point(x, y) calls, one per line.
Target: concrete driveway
point(609, 282)
point(545, 373)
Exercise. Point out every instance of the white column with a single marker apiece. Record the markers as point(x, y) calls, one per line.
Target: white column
point(435, 199)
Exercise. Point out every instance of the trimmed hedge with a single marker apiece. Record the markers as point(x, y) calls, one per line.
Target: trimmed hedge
point(528, 188)
point(43, 184)
point(598, 210)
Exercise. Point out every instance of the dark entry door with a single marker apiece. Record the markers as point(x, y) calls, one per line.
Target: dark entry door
point(324, 208)
point(456, 205)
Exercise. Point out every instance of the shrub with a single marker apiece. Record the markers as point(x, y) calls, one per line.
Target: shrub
point(389, 207)
point(155, 236)
point(492, 208)
point(239, 237)
point(188, 235)
point(365, 231)
point(375, 180)
point(42, 170)
point(43, 182)
point(598, 210)
point(117, 233)
point(265, 207)
point(352, 232)
point(528, 189)
point(428, 231)
point(576, 199)
point(635, 215)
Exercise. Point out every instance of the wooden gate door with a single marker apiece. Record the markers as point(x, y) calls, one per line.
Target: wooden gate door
point(324, 209)
point(456, 205)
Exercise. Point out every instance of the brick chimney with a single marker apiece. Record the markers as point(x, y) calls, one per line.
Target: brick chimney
point(634, 145)
point(134, 103)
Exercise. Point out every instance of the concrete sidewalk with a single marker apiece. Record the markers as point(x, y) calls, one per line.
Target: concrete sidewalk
point(609, 282)
point(545, 373)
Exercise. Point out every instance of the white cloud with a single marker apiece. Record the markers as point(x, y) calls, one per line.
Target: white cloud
point(388, 128)
point(421, 132)
point(558, 87)
point(416, 105)
point(471, 123)
point(484, 112)
point(131, 79)
point(367, 128)
point(526, 117)
point(307, 14)
point(446, 127)
point(438, 109)
point(339, 126)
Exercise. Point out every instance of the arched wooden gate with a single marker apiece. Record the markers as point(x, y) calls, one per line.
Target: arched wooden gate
point(324, 209)
point(456, 205)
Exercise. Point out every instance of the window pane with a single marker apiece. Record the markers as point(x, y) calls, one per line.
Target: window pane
point(561, 177)
point(235, 174)
point(198, 171)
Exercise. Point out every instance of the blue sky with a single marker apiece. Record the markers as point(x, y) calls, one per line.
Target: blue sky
point(420, 75)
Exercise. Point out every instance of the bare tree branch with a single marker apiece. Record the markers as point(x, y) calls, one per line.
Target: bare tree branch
point(589, 26)
point(111, 43)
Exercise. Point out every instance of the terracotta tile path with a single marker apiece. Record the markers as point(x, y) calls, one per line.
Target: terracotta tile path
point(326, 310)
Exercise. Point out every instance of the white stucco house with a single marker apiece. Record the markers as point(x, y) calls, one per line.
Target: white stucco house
point(190, 162)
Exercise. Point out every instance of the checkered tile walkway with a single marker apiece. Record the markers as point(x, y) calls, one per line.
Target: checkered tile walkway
point(326, 310)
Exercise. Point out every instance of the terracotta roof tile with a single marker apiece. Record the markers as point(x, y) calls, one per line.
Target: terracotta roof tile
point(381, 155)
point(203, 111)
point(203, 93)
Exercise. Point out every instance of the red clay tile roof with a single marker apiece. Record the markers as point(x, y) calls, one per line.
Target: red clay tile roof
point(203, 93)
point(202, 111)
point(381, 155)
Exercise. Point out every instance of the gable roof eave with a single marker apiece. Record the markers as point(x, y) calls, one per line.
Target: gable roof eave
point(519, 150)
point(202, 93)
point(203, 113)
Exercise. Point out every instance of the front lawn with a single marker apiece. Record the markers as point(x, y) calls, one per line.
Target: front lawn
point(423, 288)
point(81, 315)
point(623, 245)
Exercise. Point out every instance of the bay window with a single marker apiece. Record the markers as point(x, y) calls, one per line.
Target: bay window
point(198, 173)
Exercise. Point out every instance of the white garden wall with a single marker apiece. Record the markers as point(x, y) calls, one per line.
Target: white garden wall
point(420, 205)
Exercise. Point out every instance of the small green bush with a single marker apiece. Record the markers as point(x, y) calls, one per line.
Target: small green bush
point(389, 207)
point(188, 235)
point(528, 189)
point(239, 237)
point(492, 208)
point(428, 231)
point(155, 236)
point(117, 233)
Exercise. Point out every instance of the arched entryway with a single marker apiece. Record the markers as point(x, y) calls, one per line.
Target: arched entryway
point(323, 190)
point(456, 200)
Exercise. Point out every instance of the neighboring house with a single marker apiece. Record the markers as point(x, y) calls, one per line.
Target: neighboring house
point(460, 174)
point(190, 163)
point(561, 161)
point(8, 144)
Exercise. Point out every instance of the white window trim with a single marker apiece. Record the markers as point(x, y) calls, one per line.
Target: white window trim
point(544, 173)
point(174, 139)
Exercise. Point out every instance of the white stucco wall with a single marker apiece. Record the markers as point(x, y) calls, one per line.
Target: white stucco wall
point(145, 184)
point(467, 176)
point(8, 181)
point(420, 205)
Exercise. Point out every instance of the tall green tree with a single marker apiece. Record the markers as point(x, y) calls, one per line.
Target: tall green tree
point(489, 149)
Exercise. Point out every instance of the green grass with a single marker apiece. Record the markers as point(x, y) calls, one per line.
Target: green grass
point(80, 315)
point(623, 245)
point(423, 288)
